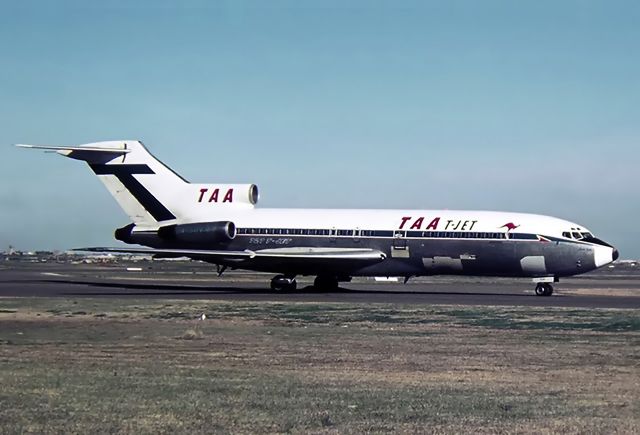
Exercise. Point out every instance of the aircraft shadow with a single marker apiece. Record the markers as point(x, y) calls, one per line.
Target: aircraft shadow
point(164, 289)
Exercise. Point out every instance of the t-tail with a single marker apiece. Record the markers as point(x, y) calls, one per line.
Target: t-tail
point(150, 192)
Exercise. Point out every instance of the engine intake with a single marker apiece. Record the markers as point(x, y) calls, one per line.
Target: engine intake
point(203, 232)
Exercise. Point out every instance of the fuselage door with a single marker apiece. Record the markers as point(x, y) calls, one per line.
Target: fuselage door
point(399, 239)
point(399, 248)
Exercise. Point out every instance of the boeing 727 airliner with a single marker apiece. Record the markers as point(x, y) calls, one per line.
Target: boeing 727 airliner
point(220, 224)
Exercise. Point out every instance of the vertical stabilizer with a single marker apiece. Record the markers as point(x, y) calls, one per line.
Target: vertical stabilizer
point(149, 191)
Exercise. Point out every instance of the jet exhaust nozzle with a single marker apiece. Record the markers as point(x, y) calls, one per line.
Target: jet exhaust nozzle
point(124, 234)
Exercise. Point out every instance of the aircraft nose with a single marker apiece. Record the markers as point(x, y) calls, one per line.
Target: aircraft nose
point(604, 255)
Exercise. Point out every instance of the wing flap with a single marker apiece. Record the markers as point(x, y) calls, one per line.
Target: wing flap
point(169, 253)
point(322, 253)
point(307, 255)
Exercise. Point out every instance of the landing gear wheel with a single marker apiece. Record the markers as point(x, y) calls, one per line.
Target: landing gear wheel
point(325, 283)
point(281, 283)
point(544, 289)
point(549, 290)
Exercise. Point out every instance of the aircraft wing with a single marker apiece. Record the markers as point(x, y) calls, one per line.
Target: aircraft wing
point(344, 256)
point(173, 253)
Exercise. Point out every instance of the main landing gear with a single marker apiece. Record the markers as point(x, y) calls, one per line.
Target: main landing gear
point(287, 283)
point(544, 289)
point(282, 283)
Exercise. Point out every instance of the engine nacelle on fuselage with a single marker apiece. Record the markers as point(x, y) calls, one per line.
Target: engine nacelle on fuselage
point(199, 233)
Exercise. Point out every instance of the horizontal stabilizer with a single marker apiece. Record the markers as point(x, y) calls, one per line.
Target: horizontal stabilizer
point(89, 154)
point(52, 148)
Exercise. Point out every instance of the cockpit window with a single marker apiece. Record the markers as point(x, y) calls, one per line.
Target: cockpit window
point(577, 235)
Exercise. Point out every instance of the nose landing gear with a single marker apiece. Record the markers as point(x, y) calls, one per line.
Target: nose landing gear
point(544, 289)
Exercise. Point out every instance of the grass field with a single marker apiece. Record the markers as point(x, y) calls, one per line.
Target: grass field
point(108, 365)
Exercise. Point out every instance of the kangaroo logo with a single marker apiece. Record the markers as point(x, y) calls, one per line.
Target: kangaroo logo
point(510, 226)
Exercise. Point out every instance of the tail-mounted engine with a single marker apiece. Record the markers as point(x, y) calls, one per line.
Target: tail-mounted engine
point(180, 234)
point(205, 232)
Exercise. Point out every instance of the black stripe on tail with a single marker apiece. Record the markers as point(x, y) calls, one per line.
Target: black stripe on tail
point(125, 173)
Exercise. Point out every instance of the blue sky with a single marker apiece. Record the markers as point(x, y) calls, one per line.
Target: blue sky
point(460, 104)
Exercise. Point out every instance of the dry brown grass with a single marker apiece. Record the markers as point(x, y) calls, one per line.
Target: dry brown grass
point(108, 365)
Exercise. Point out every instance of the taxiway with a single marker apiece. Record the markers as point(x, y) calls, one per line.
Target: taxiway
point(606, 289)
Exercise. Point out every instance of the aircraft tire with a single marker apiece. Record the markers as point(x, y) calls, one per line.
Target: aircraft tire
point(544, 289)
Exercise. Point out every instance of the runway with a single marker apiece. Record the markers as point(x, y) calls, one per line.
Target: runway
point(194, 281)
